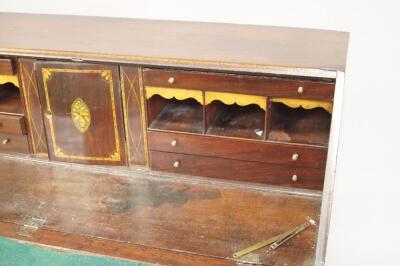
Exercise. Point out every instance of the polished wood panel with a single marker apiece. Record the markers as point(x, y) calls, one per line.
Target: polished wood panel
point(205, 219)
point(13, 143)
point(134, 115)
point(12, 124)
point(239, 149)
point(205, 45)
point(111, 248)
point(246, 84)
point(7, 66)
point(99, 138)
point(272, 174)
point(32, 107)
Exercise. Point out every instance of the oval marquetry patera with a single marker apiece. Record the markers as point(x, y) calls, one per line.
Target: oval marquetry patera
point(80, 115)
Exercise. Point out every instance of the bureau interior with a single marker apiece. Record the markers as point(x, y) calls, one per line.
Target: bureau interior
point(208, 145)
point(265, 118)
point(10, 99)
point(175, 115)
point(233, 120)
point(300, 125)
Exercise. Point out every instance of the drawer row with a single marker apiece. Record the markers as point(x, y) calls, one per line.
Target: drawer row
point(13, 136)
point(233, 83)
point(238, 149)
point(236, 159)
point(14, 143)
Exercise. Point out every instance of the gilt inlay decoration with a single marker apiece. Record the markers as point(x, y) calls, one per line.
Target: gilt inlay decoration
point(80, 115)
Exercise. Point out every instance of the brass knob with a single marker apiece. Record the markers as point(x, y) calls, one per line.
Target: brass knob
point(5, 141)
point(295, 156)
point(295, 178)
point(174, 143)
point(171, 80)
point(176, 164)
point(300, 90)
point(48, 114)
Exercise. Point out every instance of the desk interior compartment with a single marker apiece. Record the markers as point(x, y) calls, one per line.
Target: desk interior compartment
point(235, 115)
point(304, 122)
point(174, 113)
point(10, 98)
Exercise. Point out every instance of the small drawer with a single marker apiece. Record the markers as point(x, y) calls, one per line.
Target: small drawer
point(273, 174)
point(12, 124)
point(14, 143)
point(238, 149)
point(6, 67)
point(245, 84)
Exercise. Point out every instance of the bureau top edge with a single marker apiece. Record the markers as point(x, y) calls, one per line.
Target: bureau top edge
point(172, 64)
point(220, 46)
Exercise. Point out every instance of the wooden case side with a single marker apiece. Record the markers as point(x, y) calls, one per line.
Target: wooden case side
point(134, 115)
point(33, 110)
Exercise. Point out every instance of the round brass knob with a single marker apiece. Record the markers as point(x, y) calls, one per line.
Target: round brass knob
point(295, 156)
point(300, 90)
point(295, 178)
point(171, 80)
point(176, 164)
point(174, 143)
point(5, 141)
point(48, 114)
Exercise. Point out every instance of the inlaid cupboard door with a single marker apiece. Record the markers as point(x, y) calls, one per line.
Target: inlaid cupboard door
point(82, 112)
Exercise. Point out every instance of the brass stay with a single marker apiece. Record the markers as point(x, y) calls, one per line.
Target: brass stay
point(275, 241)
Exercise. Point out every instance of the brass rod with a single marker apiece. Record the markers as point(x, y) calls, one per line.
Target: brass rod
point(275, 241)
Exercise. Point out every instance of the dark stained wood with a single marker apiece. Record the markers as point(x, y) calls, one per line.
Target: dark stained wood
point(154, 106)
point(12, 124)
point(237, 121)
point(177, 115)
point(147, 215)
point(7, 66)
point(272, 174)
point(134, 114)
point(246, 84)
point(10, 100)
point(298, 125)
point(97, 86)
point(267, 122)
point(201, 219)
point(206, 45)
point(112, 248)
point(32, 107)
point(239, 149)
point(13, 143)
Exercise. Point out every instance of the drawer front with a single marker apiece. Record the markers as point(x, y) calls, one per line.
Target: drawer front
point(6, 67)
point(12, 124)
point(14, 143)
point(273, 174)
point(254, 85)
point(238, 149)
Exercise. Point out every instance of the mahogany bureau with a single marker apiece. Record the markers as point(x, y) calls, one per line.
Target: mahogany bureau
point(245, 104)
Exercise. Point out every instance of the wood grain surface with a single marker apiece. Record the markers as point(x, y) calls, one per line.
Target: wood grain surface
point(238, 149)
point(12, 124)
point(244, 84)
point(134, 114)
point(32, 106)
point(245, 171)
point(97, 86)
point(13, 143)
point(7, 66)
point(199, 218)
point(206, 45)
